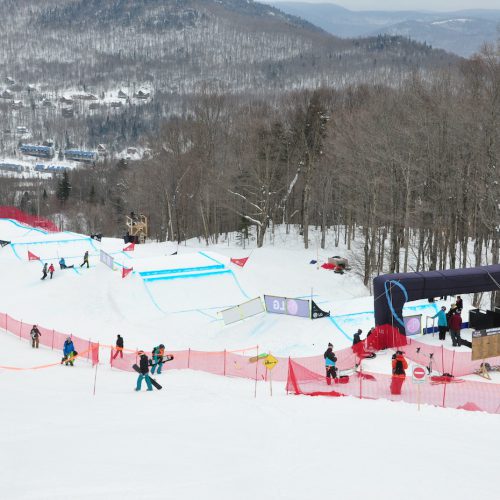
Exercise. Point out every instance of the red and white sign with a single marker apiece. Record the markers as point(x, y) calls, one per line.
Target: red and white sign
point(418, 374)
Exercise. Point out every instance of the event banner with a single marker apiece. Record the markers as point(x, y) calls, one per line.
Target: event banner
point(105, 258)
point(413, 324)
point(242, 311)
point(283, 305)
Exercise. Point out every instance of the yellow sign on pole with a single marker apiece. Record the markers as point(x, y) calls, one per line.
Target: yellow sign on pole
point(270, 362)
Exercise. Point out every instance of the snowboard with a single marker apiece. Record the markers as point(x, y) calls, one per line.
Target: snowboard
point(153, 381)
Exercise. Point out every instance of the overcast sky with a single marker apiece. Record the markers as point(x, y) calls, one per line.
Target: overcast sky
point(448, 5)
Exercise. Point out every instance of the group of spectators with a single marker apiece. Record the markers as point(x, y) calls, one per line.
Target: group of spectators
point(451, 321)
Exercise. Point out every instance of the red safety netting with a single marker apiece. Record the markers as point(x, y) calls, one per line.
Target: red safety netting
point(51, 338)
point(29, 220)
point(460, 394)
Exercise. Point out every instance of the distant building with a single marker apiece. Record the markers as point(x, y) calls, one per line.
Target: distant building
point(116, 104)
point(36, 150)
point(142, 94)
point(80, 155)
point(7, 94)
point(21, 130)
point(122, 94)
point(17, 104)
point(11, 167)
point(9, 80)
point(84, 96)
point(66, 100)
point(101, 150)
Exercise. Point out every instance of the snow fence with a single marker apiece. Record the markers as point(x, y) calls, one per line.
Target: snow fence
point(27, 219)
point(86, 349)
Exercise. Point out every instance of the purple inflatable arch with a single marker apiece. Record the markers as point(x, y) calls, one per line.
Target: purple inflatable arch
point(391, 291)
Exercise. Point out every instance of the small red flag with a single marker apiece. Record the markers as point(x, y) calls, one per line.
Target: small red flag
point(126, 271)
point(129, 248)
point(32, 256)
point(240, 262)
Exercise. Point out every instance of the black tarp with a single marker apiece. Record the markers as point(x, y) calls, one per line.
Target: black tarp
point(391, 291)
point(4, 243)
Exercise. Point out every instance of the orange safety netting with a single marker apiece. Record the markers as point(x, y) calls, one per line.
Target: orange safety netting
point(450, 393)
point(51, 338)
point(29, 220)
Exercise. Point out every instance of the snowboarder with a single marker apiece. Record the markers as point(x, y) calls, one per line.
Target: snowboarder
point(330, 364)
point(119, 346)
point(399, 365)
point(35, 337)
point(51, 270)
point(69, 352)
point(85, 259)
point(455, 327)
point(158, 353)
point(442, 322)
point(144, 372)
point(62, 264)
point(45, 270)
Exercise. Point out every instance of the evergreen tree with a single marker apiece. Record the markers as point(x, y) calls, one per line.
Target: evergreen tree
point(63, 188)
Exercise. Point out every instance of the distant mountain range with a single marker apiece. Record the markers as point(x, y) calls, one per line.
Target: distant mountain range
point(461, 32)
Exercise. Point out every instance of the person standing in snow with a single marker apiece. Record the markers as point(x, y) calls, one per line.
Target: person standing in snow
point(85, 259)
point(51, 270)
point(35, 337)
point(119, 347)
point(158, 353)
point(399, 367)
point(455, 327)
point(356, 339)
point(459, 303)
point(45, 270)
point(330, 364)
point(144, 372)
point(69, 352)
point(442, 322)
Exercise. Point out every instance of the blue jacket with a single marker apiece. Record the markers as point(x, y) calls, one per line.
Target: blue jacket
point(62, 262)
point(68, 347)
point(441, 316)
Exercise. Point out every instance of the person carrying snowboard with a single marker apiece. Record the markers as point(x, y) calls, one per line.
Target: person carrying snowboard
point(158, 353)
point(51, 270)
point(35, 337)
point(69, 352)
point(85, 259)
point(143, 372)
point(442, 322)
point(119, 347)
point(330, 364)
point(399, 365)
point(45, 270)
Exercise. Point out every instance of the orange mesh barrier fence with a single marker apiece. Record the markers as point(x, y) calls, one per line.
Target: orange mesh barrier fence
point(27, 219)
point(475, 396)
point(50, 338)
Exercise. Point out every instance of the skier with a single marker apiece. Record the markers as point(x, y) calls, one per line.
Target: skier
point(62, 264)
point(35, 336)
point(68, 352)
point(85, 259)
point(51, 270)
point(442, 322)
point(330, 361)
point(119, 346)
point(158, 353)
point(399, 365)
point(455, 327)
point(45, 270)
point(144, 372)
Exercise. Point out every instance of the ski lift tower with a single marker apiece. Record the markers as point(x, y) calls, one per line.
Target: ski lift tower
point(137, 226)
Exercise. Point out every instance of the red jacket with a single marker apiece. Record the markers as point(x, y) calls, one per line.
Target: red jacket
point(51, 268)
point(456, 322)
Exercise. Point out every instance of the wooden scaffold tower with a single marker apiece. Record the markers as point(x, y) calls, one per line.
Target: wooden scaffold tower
point(137, 227)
